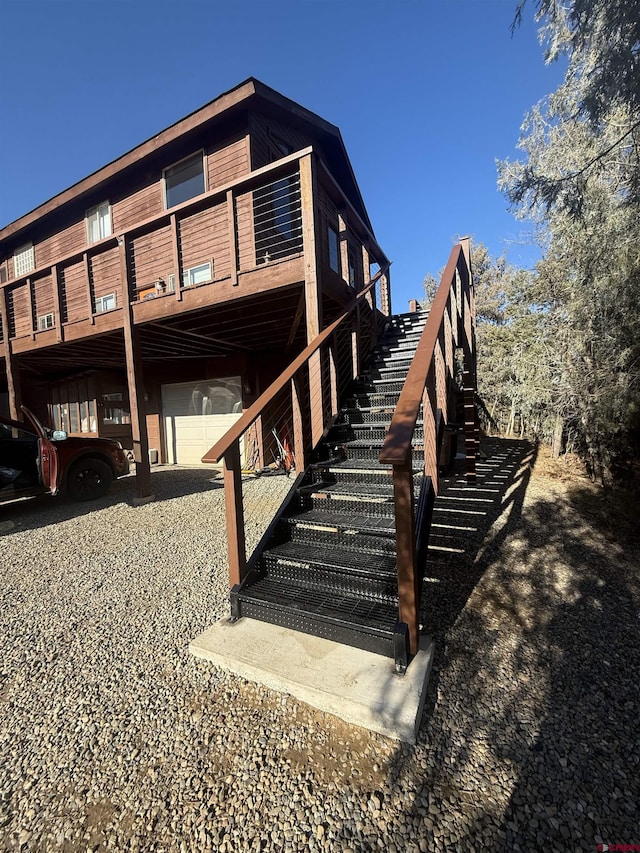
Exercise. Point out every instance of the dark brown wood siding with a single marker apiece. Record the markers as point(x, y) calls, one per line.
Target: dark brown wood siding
point(328, 215)
point(265, 134)
point(152, 257)
point(64, 242)
point(105, 274)
point(43, 302)
point(226, 164)
point(137, 206)
point(205, 237)
point(20, 320)
point(75, 295)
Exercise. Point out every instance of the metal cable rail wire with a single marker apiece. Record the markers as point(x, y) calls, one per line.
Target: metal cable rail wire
point(430, 390)
point(291, 416)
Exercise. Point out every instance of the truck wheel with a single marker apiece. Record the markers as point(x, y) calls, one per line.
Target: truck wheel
point(88, 479)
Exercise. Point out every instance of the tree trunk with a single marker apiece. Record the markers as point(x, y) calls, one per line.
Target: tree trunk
point(558, 433)
point(512, 418)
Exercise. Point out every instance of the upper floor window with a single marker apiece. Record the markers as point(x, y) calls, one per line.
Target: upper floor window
point(98, 221)
point(184, 180)
point(105, 303)
point(23, 260)
point(334, 249)
point(352, 268)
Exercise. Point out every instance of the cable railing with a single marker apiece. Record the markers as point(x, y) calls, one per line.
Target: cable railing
point(279, 431)
point(277, 219)
point(430, 394)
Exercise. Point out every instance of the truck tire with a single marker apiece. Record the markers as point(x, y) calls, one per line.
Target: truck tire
point(88, 479)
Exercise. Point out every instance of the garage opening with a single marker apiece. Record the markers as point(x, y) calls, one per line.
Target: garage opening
point(197, 414)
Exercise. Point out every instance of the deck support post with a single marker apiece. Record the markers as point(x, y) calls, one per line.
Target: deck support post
point(135, 383)
point(312, 292)
point(11, 364)
point(371, 296)
point(385, 294)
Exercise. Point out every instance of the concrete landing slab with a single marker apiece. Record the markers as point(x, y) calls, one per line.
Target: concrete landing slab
point(357, 686)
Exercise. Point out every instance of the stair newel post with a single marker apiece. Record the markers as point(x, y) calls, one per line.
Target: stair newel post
point(235, 514)
point(408, 592)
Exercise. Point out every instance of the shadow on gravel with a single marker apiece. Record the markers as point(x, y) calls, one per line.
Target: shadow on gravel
point(531, 729)
point(167, 483)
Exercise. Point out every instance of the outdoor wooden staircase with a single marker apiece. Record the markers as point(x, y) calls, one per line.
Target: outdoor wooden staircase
point(329, 568)
point(367, 408)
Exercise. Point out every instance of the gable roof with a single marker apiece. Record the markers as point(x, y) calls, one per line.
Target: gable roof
point(250, 94)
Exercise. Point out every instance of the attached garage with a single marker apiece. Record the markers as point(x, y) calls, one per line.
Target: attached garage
point(197, 414)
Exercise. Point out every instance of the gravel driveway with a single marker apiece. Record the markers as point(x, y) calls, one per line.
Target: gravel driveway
point(113, 738)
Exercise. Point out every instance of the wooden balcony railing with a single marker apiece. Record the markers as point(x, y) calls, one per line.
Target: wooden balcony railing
point(288, 420)
point(232, 230)
point(431, 390)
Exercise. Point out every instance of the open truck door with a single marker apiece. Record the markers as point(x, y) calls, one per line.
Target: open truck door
point(47, 460)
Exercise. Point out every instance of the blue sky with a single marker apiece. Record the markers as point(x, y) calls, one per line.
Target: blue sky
point(427, 94)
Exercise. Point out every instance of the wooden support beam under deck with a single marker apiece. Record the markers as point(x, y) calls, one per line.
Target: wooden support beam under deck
point(11, 364)
point(135, 384)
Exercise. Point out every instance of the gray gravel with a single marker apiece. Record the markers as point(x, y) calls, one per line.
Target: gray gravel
point(113, 738)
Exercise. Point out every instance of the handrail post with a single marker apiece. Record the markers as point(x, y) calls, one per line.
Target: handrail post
point(312, 290)
point(333, 373)
point(298, 432)
point(236, 546)
point(371, 296)
point(408, 592)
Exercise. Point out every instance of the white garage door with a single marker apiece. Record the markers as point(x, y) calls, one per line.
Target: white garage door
point(197, 414)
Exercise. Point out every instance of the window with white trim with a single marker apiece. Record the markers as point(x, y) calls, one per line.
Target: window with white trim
point(98, 221)
point(46, 321)
point(23, 260)
point(105, 303)
point(196, 275)
point(184, 180)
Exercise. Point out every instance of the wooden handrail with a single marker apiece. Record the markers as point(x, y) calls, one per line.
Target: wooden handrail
point(234, 433)
point(397, 444)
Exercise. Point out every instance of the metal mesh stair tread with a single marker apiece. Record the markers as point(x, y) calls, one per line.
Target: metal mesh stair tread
point(335, 465)
point(378, 566)
point(358, 490)
point(336, 519)
point(350, 611)
point(311, 537)
point(372, 443)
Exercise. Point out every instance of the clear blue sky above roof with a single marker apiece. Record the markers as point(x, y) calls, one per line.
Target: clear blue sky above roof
point(426, 94)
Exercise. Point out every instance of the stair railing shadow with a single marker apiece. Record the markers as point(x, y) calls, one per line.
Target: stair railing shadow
point(529, 738)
